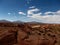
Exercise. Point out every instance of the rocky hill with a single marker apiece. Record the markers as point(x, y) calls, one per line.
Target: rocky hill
point(29, 34)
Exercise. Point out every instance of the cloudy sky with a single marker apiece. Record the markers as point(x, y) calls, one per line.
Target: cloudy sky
point(47, 11)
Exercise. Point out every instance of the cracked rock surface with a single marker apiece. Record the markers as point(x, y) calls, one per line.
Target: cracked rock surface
point(29, 34)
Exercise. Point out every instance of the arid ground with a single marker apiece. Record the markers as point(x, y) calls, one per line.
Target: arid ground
point(29, 34)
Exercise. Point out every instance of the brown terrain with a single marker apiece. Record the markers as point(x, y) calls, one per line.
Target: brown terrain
point(29, 34)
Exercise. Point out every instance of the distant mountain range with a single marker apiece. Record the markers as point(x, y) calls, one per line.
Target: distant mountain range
point(6, 21)
point(21, 22)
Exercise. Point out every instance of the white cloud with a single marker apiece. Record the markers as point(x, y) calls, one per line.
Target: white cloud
point(9, 13)
point(47, 13)
point(22, 13)
point(31, 12)
point(58, 12)
point(32, 7)
point(53, 18)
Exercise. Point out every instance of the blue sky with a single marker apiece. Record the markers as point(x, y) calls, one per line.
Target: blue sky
point(44, 10)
